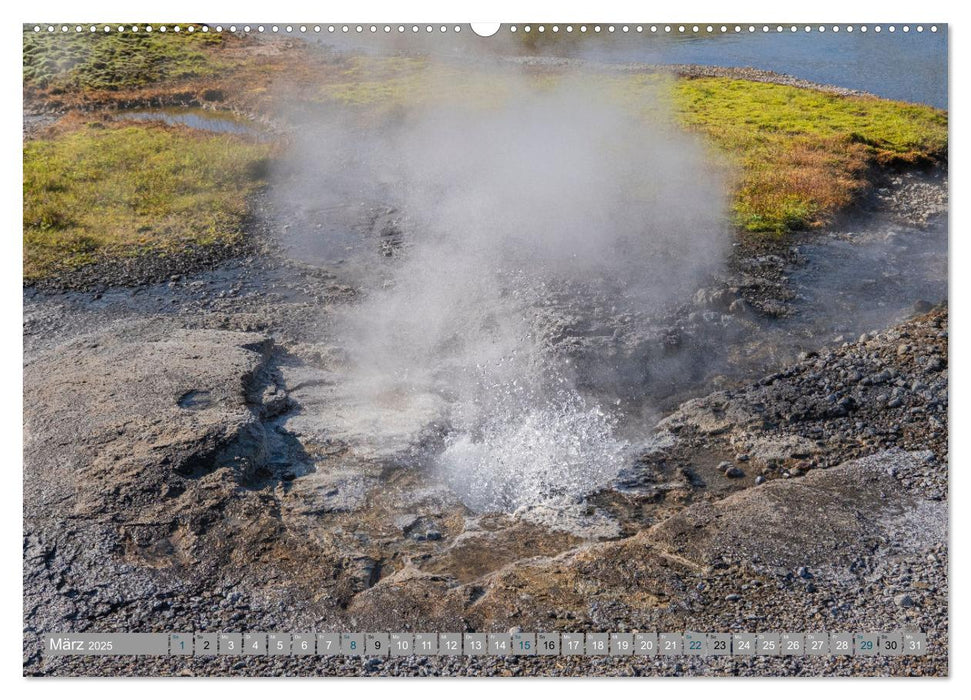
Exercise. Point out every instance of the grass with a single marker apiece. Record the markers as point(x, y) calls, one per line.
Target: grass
point(803, 155)
point(124, 190)
point(798, 157)
point(86, 61)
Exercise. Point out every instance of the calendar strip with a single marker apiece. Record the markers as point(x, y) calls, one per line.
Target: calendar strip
point(395, 644)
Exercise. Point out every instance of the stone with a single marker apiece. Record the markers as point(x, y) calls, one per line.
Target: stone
point(405, 522)
point(781, 448)
point(739, 307)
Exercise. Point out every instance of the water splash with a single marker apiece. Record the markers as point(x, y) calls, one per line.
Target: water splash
point(532, 450)
point(522, 230)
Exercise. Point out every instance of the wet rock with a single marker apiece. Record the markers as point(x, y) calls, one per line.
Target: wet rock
point(577, 519)
point(844, 512)
point(647, 579)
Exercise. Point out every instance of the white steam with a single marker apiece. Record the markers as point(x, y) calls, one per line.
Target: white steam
point(508, 223)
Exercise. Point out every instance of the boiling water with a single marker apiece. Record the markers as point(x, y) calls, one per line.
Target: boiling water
point(490, 214)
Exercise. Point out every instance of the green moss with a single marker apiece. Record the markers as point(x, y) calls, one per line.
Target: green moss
point(133, 190)
point(116, 60)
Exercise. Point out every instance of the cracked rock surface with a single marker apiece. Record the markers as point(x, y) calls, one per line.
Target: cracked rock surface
point(164, 491)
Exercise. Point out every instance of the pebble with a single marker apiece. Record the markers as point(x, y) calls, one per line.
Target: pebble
point(903, 600)
point(405, 521)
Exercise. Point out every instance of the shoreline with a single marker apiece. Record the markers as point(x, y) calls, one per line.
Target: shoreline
point(695, 70)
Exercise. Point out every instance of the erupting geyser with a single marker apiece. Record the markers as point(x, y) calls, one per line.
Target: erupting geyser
point(515, 224)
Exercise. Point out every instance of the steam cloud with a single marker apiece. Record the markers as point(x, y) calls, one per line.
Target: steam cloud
point(510, 228)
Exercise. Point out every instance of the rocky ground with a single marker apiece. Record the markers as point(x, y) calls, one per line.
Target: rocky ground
point(194, 462)
point(170, 508)
point(183, 471)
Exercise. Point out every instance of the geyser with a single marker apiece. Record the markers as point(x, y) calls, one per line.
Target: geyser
point(516, 222)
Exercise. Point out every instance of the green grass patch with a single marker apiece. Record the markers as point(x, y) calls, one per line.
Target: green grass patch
point(59, 62)
point(99, 192)
point(803, 155)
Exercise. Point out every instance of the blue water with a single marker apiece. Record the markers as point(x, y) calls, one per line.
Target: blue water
point(902, 66)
